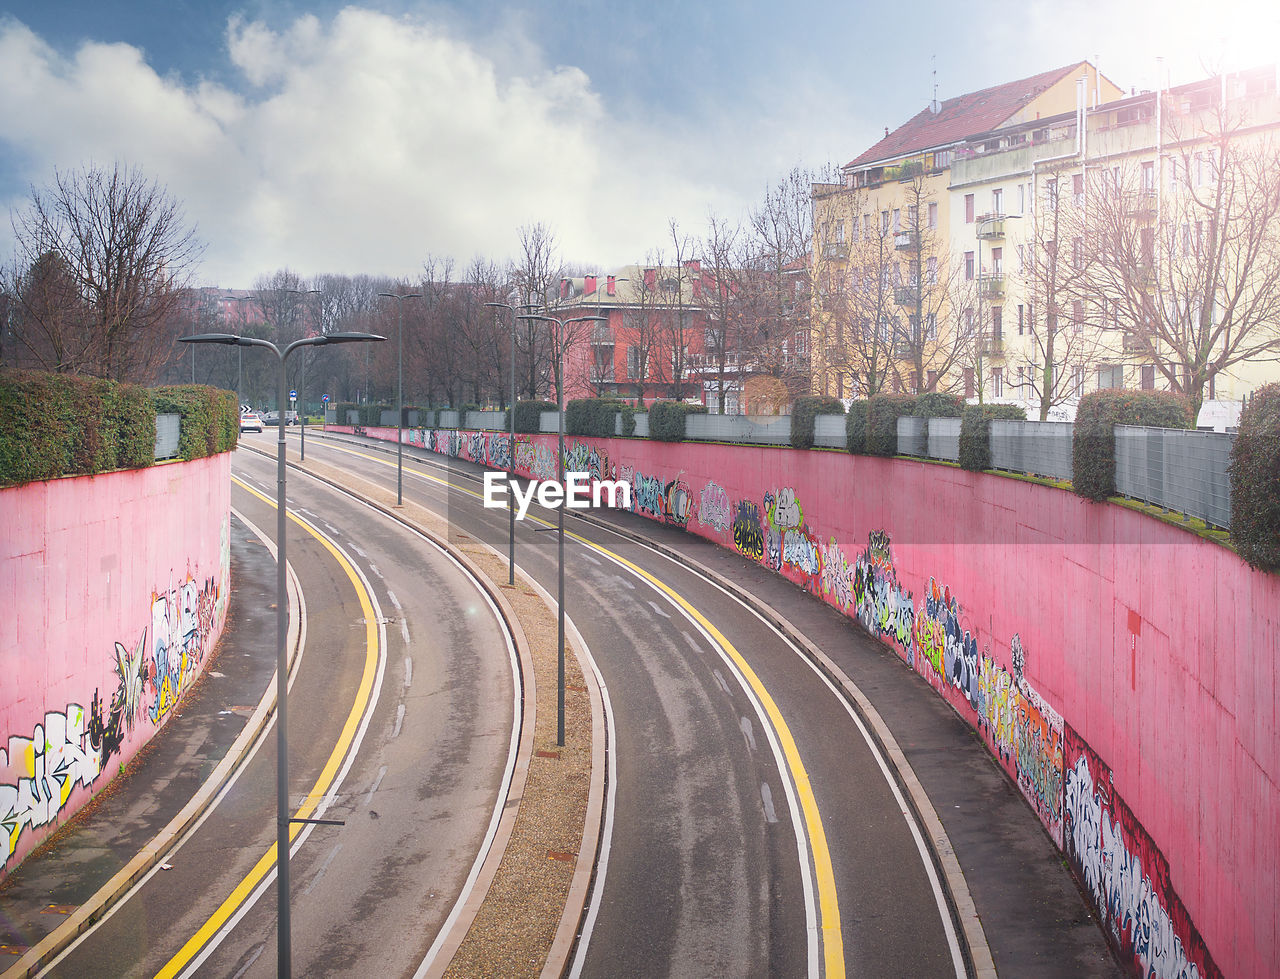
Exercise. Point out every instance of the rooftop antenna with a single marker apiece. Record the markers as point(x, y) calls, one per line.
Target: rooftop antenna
point(933, 106)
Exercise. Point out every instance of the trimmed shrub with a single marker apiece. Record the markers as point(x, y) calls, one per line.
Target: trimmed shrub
point(883, 412)
point(529, 415)
point(804, 410)
point(855, 428)
point(40, 426)
point(975, 432)
point(131, 415)
point(666, 419)
point(1255, 481)
point(210, 418)
point(371, 415)
point(592, 416)
point(340, 410)
point(1093, 442)
point(629, 413)
point(936, 404)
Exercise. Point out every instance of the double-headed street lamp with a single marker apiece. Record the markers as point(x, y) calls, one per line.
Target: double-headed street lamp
point(400, 391)
point(559, 347)
point(511, 420)
point(282, 624)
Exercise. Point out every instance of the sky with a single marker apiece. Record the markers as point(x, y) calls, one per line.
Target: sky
point(372, 137)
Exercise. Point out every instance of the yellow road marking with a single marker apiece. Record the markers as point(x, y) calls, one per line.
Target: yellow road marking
point(832, 933)
point(322, 783)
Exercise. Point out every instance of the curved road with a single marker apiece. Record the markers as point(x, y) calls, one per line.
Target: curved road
point(754, 831)
point(403, 706)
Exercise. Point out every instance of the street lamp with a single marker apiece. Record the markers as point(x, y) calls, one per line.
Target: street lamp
point(559, 346)
point(400, 391)
point(282, 627)
point(302, 377)
point(511, 419)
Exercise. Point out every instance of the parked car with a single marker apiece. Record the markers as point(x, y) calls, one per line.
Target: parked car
point(250, 421)
point(273, 418)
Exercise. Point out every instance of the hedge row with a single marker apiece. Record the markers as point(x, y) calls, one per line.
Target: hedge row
point(1255, 480)
point(666, 419)
point(64, 425)
point(803, 412)
point(1093, 444)
point(529, 415)
point(595, 417)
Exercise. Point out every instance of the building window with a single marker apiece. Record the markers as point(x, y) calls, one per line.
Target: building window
point(866, 226)
point(1077, 315)
point(968, 321)
point(997, 382)
point(933, 215)
point(897, 220)
point(968, 265)
point(633, 363)
point(1051, 193)
point(884, 222)
point(1148, 175)
point(931, 326)
point(931, 270)
point(968, 209)
point(1110, 376)
point(932, 381)
point(1077, 187)
point(1022, 262)
point(1022, 198)
point(997, 261)
point(997, 322)
point(1148, 377)
point(997, 201)
point(1022, 318)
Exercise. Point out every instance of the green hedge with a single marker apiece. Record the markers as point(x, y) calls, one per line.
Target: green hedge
point(1093, 443)
point(666, 419)
point(1255, 481)
point(855, 428)
point(371, 415)
point(629, 413)
point(975, 432)
point(340, 409)
point(63, 425)
point(883, 412)
point(529, 415)
point(804, 410)
point(595, 417)
point(936, 404)
point(210, 418)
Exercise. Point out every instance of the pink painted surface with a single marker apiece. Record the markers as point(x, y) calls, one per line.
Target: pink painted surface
point(114, 590)
point(1065, 632)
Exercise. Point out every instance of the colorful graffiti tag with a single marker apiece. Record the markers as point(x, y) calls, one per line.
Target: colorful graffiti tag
point(713, 508)
point(748, 537)
point(1127, 876)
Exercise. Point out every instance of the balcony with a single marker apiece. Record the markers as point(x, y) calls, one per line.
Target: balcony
point(835, 252)
point(991, 346)
point(602, 335)
point(1132, 344)
point(991, 227)
point(906, 295)
point(991, 285)
point(904, 241)
point(1140, 204)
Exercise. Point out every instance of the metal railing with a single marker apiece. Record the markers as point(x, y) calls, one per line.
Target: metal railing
point(168, 436)
point(753, 429)
point(1035, 448)
point(829, 431)
point(1177, 470)
point(944, 439)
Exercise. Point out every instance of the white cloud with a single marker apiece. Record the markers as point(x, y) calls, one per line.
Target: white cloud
point(364, 144)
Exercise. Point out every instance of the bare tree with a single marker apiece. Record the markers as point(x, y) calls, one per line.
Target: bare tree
point(719, 298)
point(1191, 275)
point(675, 288)
point(537, 276)
point(124, 255)
point(642, 324)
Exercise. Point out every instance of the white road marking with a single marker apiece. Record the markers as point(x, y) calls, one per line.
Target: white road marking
point(748, 732)
point(391, 597)
point(395, 732)
point(724, 684)
point(408, 672)
point(770, 816)
point(658, 609)
point(323, 867)
point(376, 782)
point(693, 644)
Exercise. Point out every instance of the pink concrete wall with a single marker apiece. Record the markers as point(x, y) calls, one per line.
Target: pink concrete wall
point(1121, 670)
point(113, 590)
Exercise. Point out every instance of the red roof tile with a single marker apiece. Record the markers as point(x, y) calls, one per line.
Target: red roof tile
point(960, 117)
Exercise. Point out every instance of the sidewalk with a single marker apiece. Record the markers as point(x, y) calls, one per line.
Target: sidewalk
point(63, 878)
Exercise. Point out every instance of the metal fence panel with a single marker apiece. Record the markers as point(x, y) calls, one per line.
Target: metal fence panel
point(828, 430)
point(913, 438)
point(944, 439)
point(490, 421)
point(1179, 470)
point(387, 419)
point(642, 425)
point(168, 435)
point(1037, 448)
point(447, 418)
point(753, 429)
point(549, 421)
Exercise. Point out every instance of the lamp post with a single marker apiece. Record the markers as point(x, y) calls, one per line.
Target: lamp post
point(511, 421)
point(558, 349)
point(239, 351)
point(302, 394)
point(282, 628)
point(400, 390)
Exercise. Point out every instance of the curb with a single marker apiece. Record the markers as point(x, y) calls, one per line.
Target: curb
point(88, 914)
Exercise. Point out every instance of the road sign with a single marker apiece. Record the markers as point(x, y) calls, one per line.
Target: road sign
point(325, 399)
point(293, 395)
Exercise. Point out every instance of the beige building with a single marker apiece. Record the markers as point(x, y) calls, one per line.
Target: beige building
point(1084, 241)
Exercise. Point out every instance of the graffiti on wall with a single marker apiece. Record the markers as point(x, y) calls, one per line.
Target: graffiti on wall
point(38, 773)
point(883, 607)
point(748, 537)
point(837, 576)
point(713, 507)
point(1126, 875)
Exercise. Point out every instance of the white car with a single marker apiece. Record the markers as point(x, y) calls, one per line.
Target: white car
point(250, 421)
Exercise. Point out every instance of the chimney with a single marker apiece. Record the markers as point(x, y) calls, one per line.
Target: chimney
point(610, 285)
point(650, 278)
point(564, 288)
point(886, 132)
point(589, 284)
